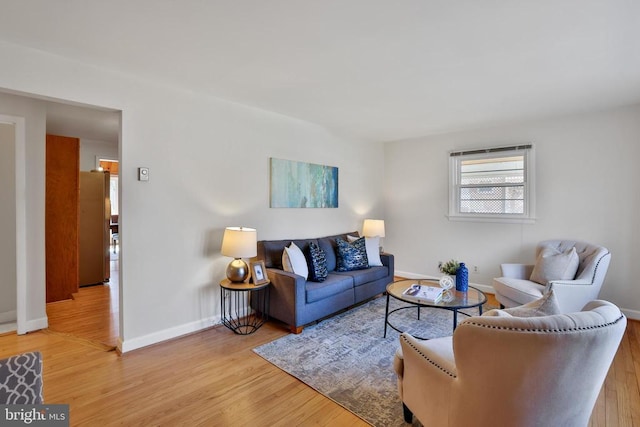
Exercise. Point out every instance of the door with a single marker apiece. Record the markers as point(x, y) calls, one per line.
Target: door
point(61, 216)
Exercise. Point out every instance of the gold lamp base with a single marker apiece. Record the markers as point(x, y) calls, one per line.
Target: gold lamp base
point(237, 271)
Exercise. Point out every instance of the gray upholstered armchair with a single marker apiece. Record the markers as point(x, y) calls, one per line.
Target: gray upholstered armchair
point(515, 287)
point(21, 379)
point(516, 371)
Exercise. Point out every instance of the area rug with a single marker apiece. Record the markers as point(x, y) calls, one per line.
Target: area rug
point(347, 359)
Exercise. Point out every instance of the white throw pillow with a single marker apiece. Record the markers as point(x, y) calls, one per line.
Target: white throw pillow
point(555, 265)
point(372, 245)
point(545, 306)
point(293, 261)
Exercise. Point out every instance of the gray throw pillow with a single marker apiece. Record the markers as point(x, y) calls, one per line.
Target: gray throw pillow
point(555, 265)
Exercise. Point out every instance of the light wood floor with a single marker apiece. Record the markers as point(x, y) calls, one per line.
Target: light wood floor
point(213, 378)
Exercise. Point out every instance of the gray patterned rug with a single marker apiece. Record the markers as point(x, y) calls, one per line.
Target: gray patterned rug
point(346, 358)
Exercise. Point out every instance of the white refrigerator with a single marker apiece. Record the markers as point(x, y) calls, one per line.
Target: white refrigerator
point(95, 215)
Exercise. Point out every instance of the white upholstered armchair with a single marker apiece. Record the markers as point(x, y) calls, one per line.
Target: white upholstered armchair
point(516, 371)
point(515, 287)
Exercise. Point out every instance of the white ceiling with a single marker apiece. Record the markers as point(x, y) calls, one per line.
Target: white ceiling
point(373, 69)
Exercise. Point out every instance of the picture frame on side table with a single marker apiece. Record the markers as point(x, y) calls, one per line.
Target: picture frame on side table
point(259, 273)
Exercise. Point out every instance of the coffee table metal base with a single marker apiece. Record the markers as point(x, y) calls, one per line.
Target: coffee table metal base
point(387, 313)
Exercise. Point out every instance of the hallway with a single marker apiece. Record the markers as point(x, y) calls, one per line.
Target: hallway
point(93, 313)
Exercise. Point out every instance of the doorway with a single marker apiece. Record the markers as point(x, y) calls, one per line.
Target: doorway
point(28, 115)
point(93, 313)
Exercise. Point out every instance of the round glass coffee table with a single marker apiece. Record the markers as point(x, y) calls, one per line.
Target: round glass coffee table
point(453, 301)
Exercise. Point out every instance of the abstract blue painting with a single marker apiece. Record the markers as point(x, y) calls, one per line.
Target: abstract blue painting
point(303, 185)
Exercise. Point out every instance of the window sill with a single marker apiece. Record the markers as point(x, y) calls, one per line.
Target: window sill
point(491, 218)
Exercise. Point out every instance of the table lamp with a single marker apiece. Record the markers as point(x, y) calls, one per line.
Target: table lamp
point(373, 228)
point(238, 243)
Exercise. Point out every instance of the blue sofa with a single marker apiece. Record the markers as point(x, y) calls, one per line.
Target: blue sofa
point(298, 302)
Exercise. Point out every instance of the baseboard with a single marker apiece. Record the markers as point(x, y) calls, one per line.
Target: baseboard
point(8, 327)
point(124, 346)
point(34, 325)
point(8, 316)
point(631, 314)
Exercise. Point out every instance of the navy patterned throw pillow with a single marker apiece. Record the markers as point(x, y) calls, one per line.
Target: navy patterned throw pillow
point(317, 262)
point(351, 256)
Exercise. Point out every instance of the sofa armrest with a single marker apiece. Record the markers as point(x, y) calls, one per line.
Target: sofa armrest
point(516, 271)
point(286, 289)
point(388, 260)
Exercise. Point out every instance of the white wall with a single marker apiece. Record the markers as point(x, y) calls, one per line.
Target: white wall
point(90, 149)
point(208, 163)
point(587, 189)
point(8, 278)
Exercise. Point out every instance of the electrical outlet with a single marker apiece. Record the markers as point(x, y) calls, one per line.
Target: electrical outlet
point(475, 269)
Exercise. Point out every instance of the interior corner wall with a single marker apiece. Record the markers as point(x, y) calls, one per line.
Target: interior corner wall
point(586, 189)
point(209, 169)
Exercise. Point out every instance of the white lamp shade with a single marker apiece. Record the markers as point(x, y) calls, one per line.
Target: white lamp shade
point(373, 228)
point(239, 242)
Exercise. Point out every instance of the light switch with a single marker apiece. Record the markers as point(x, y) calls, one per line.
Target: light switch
point(143, 174)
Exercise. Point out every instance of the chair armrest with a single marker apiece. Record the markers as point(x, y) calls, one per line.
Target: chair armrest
point(429, 373)
point(516, 271)
point(438, 353)
point(555, 283)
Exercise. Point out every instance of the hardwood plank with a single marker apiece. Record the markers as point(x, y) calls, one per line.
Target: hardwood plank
point(633, 370)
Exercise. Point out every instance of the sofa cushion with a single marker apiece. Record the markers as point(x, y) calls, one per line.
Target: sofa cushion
point(329, 246)
point(553, 264)
point(317, 263)
point(518, 289)
point(333, 284)
point(272, 250)
point(373, 249)
point(293, 261)
point(360, 277)
point(351, 256)
point(545, 306)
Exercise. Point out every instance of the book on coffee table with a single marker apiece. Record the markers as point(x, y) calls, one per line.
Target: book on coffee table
point(424, 293)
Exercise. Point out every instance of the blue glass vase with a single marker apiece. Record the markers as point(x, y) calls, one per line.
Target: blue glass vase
point(462, 278)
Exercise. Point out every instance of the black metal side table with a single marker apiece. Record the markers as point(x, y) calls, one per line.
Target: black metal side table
point(244, 306)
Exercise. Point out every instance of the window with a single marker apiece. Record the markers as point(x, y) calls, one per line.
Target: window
point(494, 184)
point(113, 194)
